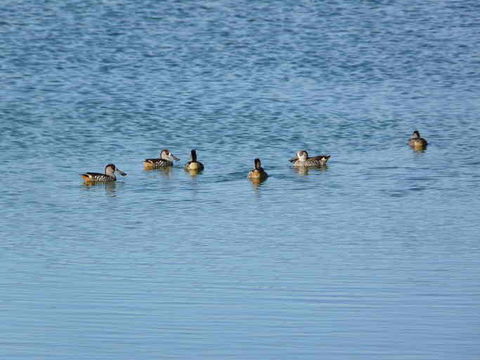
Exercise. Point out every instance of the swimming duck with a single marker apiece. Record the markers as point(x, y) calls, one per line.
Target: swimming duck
point(166, 159)
point(110, 169)
point(417, 142)
point(302, 159)
point(257, 174)
point(193, 164)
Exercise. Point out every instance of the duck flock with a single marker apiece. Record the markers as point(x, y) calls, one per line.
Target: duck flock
point(257, 174)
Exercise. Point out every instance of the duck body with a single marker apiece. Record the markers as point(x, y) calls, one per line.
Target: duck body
point(303, 160)
point(417, 142)
point(193, 164)
point(98, 177)
point(166, 160)
point(257, 174)
point(157, 163)
point(108, 176)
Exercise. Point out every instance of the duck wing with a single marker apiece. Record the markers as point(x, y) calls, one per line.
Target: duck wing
point(320, 157)
point(92, 174)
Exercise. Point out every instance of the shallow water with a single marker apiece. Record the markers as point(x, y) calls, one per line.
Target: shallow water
point(374, 257)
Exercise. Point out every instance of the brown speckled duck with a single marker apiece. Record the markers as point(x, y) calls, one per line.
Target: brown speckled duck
point(166, 160)
point(110, 169)
point(302, 159)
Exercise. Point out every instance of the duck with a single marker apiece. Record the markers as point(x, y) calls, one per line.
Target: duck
point(108, 176)
point(193, 164)
point(302, 159)
point(166, 160)
point(417, 142)
point(257, 173)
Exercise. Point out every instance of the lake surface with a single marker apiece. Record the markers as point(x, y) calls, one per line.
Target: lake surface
point(375, 257)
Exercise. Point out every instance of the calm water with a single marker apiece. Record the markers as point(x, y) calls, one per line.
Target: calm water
point(376, 257)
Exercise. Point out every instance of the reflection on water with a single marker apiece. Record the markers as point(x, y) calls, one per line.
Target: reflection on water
point(110, 188)
point(304, 170)
point(164, 172)
point(257, 182)
point(418, 150)
point(193, 172)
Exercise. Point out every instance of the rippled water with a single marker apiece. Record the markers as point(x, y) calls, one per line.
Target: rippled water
point(375, 257)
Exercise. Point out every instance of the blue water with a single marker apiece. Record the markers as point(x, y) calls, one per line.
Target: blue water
point(375, 257)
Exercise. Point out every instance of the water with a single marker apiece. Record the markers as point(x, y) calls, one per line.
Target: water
point(375, 257)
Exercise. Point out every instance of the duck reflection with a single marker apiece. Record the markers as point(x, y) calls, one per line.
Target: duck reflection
point(193, 172)
point(304, 170)
point(110, 188)
point(256, 183)
point(164, 171)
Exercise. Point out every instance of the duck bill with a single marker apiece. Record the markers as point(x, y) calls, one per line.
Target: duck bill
point(175, 158)
point(293, 159)
point(121, 172)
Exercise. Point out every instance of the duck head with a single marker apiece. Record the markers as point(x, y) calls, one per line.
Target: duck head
point(167, 155)
point(110, 170)
point(302, 155)
point(415, 135)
